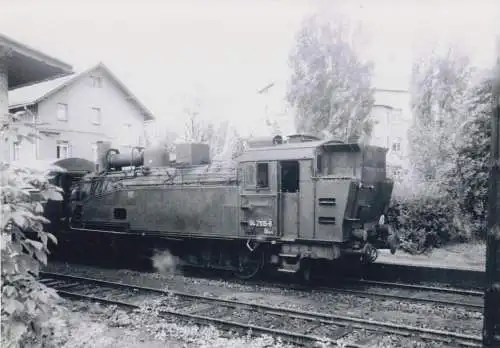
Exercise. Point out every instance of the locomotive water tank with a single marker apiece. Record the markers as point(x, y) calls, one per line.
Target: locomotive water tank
point(192, 154)
point(157, 156)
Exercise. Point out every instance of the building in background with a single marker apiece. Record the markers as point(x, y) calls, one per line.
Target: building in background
point(19, 65)
point(392, 117)
point(74, 112)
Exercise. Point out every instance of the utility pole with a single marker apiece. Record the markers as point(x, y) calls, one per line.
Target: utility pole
point(491, 320)
point(264, 91)
point(5, 141)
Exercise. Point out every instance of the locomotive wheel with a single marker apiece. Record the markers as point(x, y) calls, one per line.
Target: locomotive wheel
point(249, 263)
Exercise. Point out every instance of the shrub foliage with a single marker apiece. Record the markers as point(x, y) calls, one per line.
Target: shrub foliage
point(451, 202)
point(26, 303)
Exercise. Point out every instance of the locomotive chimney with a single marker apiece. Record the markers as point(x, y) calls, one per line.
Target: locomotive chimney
point(102, 148)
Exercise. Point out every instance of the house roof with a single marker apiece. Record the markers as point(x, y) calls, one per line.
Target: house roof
point(26, 64)
point(35, 93)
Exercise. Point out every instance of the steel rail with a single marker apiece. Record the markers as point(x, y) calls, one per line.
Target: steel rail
point(367, 293)
point(456, 291)
point(331, 319)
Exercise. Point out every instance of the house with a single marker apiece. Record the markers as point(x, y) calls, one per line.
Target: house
point(392, 117)
point(73, 112)
point(20, 64)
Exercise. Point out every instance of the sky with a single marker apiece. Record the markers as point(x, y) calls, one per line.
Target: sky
point(169, 52)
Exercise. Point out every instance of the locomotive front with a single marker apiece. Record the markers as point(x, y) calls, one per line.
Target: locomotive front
point(354, 190)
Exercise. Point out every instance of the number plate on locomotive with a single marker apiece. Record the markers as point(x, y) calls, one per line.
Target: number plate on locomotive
point(260, 223)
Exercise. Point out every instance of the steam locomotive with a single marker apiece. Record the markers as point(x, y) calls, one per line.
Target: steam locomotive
point(280, 204)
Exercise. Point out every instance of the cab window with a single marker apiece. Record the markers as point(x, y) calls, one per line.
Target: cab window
point(249, 174)
point(342, 164)
point(338, 164)
point(319, 164)
point(262, 175)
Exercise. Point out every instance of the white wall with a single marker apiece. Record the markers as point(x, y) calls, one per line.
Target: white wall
point(392, 117)
point(121, 121)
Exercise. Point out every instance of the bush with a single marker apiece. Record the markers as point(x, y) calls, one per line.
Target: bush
point(26, 303)
point(425, 216)
point(455, 152)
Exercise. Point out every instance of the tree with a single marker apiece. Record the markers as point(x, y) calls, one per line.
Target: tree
point(450, 145)
point(157, 133)
point(196, 128)
point(220, 136)
point(439, 89)
point(470, 176)
point(330, 88)
point(26, 303)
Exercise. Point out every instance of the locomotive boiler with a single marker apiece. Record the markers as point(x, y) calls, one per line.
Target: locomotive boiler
point(279, 204)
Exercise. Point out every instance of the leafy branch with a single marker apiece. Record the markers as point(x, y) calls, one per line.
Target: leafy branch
point(24, 190)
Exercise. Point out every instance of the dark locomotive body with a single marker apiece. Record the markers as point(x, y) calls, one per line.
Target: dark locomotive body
point(280, 204)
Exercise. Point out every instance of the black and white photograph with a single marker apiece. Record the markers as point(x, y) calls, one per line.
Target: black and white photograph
point(266, 173)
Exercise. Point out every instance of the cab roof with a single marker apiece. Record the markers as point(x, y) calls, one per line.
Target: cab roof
point(296, 151)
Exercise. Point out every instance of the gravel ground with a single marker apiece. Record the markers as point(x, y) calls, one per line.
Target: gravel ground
point(470, 256)
point(399, 312)
point(92, 325)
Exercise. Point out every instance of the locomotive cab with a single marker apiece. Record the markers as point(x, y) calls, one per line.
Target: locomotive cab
point(316, 199)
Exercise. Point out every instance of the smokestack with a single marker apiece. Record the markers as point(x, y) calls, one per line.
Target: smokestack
point(102, 149)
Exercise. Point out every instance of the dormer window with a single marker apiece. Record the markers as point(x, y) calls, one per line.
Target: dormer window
point(96, 81)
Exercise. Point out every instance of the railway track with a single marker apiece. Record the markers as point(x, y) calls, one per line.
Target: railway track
point(433, 295)
point(468, 299)
point(298, 327)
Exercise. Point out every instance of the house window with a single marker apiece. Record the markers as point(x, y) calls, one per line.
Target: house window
point(16, 150)
point(141, 141)
point(62, 150)
point(96, 116)
point(62, 112)
point(126, 135)
point(94, 153)
point(262, 175)
point(397, 172)
point(396, 146)
point(96, 81)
